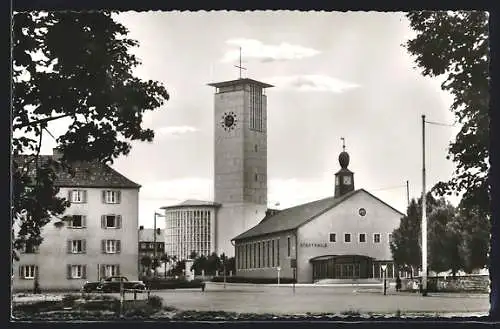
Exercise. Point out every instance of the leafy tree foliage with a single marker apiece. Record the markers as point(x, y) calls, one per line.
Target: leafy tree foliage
point(455, 45)
point(75, 66)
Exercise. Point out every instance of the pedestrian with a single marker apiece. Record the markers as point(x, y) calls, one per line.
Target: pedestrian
point(398, 283)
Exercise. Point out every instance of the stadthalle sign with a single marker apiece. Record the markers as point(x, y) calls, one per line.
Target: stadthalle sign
point(313, 245)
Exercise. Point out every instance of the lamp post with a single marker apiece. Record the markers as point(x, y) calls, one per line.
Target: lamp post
point(154, 242)
point(139, 250)
point(424, 216)
point(384, 268)
point(279, 269)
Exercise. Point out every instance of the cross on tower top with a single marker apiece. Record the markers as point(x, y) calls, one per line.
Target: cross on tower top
point(343, 143)
point(239, 66)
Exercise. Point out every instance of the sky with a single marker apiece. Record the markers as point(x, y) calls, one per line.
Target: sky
point(335, 74)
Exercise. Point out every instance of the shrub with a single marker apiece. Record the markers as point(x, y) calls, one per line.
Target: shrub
point(155, 302)
point(69, 300)
point(239, 279)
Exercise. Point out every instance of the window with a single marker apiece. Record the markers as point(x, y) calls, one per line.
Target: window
point(111, 246)
point(389, 236)
point(110, 270)
point(289, 246)
point(362, 237)
point(27, 271)
point(256, 177)
point(272, 253)
point(76, 246)
point(347, 237)
point(144, 245)
point(77, 221)
point(255, 147)
point(77, 272)
point(30, 248)
point(111, 221)
point(111, 196)
point(78, 196)
point(333, 237)
point(376, 238)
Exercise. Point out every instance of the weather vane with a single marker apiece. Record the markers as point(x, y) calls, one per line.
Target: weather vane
point(343, 143)
point(240, 67)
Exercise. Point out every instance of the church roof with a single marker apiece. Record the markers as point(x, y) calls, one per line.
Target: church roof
point(292, 218)
point(92, 174)
point(193, 203)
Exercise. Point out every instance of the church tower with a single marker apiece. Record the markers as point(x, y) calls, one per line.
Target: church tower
point(240, 158)
point(344, 178)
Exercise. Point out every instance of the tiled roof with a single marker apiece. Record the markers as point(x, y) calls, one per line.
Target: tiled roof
point(87, 174)
point(292, 218)
point(147, 235)
point(193, 203)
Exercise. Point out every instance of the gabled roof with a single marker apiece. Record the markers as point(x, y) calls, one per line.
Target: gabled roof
point(193, 203)
point(86, 174)
point(147, 235)
point(292, 218)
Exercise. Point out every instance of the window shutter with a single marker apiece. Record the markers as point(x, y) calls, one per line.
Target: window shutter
point(103, 221)
point(103, 271)
point(37, 275)
point(84, 246)
point(68, 272)
point(119, 221)
point(103, 196)
point(118, 246)
point(103, 246)
point(69, 196)
point(118, 196)
point(69, 246)
point(84, 221)
point(84, 271)
point(21, 276)
point(84, 196)
point(117, 270)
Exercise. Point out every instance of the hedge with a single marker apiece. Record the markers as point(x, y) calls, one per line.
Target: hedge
point(161, 283)
point(239, 279)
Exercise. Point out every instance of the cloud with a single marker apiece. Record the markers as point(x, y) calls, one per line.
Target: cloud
point(176, 130)
point(312, 82)
point(255, 50)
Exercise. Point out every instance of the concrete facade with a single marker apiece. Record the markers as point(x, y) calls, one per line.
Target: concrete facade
point(53, 256)
point(240, 159)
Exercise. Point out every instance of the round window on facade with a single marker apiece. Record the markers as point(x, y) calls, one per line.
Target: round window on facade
point(362, 212)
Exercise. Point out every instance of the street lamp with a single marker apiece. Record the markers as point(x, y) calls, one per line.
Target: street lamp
point(384, 268)
point(154, 242)
point(279, 269)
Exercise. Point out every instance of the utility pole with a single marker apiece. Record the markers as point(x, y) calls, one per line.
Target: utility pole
point(408, 193)
point(154, 247)
point(424, 216)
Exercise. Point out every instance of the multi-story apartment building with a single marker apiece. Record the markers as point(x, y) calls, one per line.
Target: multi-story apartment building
point(100, 240)
point(147, 242)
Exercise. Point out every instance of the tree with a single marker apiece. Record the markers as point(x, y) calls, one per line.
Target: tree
point(146, 262)
point(199, 264)
point(75, 66)
point(474, 238)
point(405, 244)
point(166, 259)
point(455, 45)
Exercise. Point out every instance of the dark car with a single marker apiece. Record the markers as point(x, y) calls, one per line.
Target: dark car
point(112, 284)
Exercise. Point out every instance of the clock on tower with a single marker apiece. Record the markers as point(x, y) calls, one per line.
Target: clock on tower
point(344, 178)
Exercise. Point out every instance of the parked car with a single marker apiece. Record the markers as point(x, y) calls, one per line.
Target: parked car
point(112, 284)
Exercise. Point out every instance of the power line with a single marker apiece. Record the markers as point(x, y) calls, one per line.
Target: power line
point(441, 124)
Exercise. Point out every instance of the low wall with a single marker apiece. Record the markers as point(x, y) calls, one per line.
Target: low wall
point(469, 283)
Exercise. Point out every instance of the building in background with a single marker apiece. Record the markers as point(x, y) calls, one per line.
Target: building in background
point(100, 240)
point(343, 237)
point(190, 227)
point(147, 243)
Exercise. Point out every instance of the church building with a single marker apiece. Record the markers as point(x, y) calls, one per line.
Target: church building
point(341, 237)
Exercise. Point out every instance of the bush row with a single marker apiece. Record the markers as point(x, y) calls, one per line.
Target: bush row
point(239, 279)
point(160, 283)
